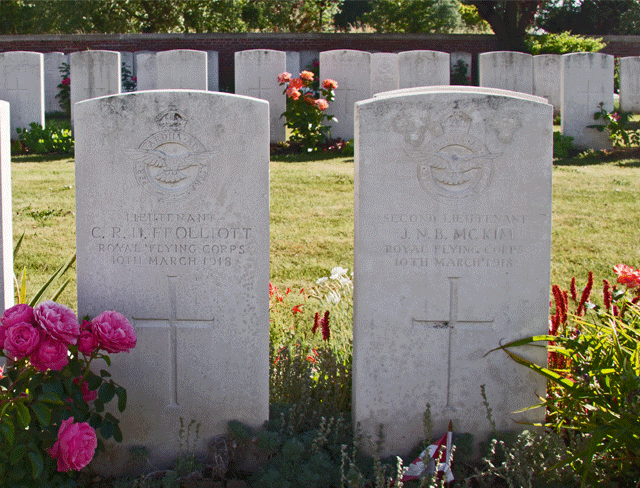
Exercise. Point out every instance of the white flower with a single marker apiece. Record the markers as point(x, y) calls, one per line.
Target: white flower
point(333, 297)
point(321, 280)
point(337, 272)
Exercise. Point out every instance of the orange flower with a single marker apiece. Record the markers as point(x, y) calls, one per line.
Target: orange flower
point(329, 84)
point(284, 77)
point(309, 99)
point(306, 75)
point(296, 83)
point(297, 309)
point(322, 104)
point(293, 93)
point(627, 275)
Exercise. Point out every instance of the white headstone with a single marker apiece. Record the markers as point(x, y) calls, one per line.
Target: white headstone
point(94, 74)
point(352, 71)
point(630, 84)
point(546, 78)
point(256, 75)
point(6, 216)
point(52, 78)
point(214, 71)
point(423, 68)
point(587, 81)
point(22, 85)
point(507, 70)
point(384, 72)
point(127, 61)
point(465, 59)
point(452, 256)
point(293, 62)
point(182, 69)
point(146, 70)
point(172, 199)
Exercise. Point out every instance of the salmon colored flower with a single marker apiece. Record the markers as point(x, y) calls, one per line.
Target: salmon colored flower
point(293, 93)
point(296, 83)
point(309, 99)
point(297, 309)
point(329, 84)
point(627, 275)
point(306, 75)
point(284, 77)
point(322, 104)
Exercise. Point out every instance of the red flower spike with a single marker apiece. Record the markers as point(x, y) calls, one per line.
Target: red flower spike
point(585, 294)
point(574, 292)
point(316, 323)
point(324, 323)
point(606, 292)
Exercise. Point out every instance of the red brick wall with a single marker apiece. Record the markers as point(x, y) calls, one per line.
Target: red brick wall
point(227, 44)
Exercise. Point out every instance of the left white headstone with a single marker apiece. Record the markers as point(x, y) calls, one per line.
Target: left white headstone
point(507, 70)
point(6, 216)
point(94, 74)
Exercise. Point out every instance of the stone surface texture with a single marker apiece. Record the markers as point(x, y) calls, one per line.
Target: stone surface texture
point(214, 70)
point(6, 217)
point(630, 84)
point(507, 70)
point(384, 72)
point(256, 75)
point(94, 74)
point(146, 70)
point(22, 85)
point(184, 69)
point(452, 256)
point(352, 70)
point(423, 68)
point(172, 198)
point(546, 79)
point(587, 81)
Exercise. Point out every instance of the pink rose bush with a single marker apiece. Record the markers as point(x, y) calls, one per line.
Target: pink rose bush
point(307, 103)
point(50, 397)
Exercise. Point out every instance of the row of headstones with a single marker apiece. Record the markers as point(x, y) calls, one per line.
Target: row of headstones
point(588, 80)
point(452, 257)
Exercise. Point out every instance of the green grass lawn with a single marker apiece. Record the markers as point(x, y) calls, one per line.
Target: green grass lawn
point(596, 217)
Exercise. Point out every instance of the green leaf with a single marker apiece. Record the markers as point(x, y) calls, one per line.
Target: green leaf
point(105, 374)
point(37, 463)
point(98, 404)
point(93, 381)
point(7, 430)
point(122, 399)
point(42, 412)
point(17, 454)
point(50, 397)
point(106, 429)
point(106, 392)
point(61, 270)
point(24, 417)
point(55, 387)
point(117, 433)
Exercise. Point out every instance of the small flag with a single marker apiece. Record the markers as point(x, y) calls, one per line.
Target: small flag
point(435, 458)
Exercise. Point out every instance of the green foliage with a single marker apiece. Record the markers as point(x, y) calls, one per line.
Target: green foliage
point(460, 73)
point(289, 15)
point(51, 139)
point(471, 19)
point(64, 89)
point(563, 43)
point(306, 109)
point(413, 16)
point(129, 82)
point(617, 124)
point(562, 145)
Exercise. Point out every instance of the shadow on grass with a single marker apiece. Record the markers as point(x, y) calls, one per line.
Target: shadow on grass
point(629, 158)
point(309, 157)
point(39, 158)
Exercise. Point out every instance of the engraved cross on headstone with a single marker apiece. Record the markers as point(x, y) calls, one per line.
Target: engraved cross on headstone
point(262, 92)
point(14, 87)
point(453, 323)
point(173, 323)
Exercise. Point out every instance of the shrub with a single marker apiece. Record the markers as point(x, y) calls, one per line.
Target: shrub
point(460, 73)
point(562, 145)
point(64, 89)
point(562, 43)
point(129, 82)
point(618, 127)
point(39, 140)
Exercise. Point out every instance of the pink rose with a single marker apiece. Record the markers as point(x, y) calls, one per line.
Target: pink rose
point(75, 446)
point(114, 332)
point(21, 340)
point(87, 394)
point(296, 83)
point(329, 84)
point(66, 81)
point(50, 354)
point(284, 77)
point(21, 313)
point(293, 93)
point(306, 75)
point(58, 321)
point(627, 275)
point(322, 104)
point(87, 342)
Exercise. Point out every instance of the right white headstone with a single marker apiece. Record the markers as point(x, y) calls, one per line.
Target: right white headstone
point(52, 78)
point(384, 72)
point(507, 70)
point(6, 225)
point(423, 68)
point(182, 69)
point(146, 70)
point(94, 74)
point(630, 84)
point(587, 81)
point(546, 78)
point(452, 256)
point(352, 71)
point(22, 85)
point(256, 75)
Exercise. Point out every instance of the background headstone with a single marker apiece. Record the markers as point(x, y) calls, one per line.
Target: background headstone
point(630, 84)
point(423, 68)
point(587, 81)
point(256, 75)
point(307, 58)
point(172, 199)
point(507, 70)
point(467, 59)
point(352, 70)
point(6, 216)
point(94, 74)
point(452, 256)
point(52, 78)
point(182, 69)
point(214, 71)
point(546, 78)
point(384, 72)
point(22, 85)
point(146, 70)
point(293, 63)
